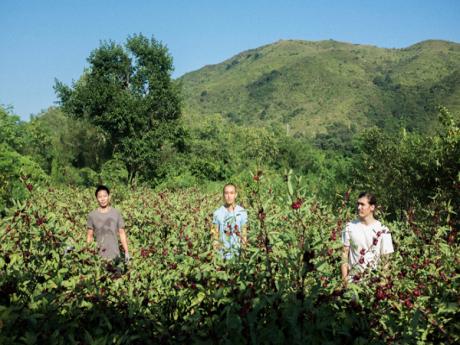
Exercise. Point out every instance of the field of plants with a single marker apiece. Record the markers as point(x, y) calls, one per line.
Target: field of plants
point(285, 287)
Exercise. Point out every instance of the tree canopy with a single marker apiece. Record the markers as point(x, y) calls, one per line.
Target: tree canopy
point(128, 93)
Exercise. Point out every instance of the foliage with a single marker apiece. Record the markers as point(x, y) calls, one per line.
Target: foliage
point(408, 170)
point(217, 149)
point(89, 178)
point(10, 129)
point(311, 85)
point(129, 94)
point(284, 288)
point(114, 172)
point(338, 138)
point(178, 181)
point(62, 146)
point(18, 176)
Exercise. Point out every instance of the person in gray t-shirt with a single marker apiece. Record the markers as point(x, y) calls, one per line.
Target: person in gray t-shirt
point(106, 223)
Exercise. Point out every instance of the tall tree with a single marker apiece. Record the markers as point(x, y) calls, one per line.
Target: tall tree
point(128, 92)
point(11, 129)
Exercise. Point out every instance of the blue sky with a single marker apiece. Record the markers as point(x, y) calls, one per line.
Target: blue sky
point(44, 40)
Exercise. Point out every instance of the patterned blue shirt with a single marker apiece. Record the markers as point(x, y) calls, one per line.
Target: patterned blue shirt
point(230, 229)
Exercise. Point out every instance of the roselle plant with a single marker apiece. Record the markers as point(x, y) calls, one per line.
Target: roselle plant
point(284, 287)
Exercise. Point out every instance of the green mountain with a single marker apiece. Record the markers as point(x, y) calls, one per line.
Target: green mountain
point(311, 87)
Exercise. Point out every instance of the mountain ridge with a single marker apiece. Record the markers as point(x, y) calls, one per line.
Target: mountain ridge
point(310, 85)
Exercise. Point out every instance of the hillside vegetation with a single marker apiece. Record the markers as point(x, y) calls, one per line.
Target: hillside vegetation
point(310, 87)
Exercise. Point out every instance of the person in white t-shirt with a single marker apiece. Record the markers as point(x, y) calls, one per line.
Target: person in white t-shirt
point(365, 241)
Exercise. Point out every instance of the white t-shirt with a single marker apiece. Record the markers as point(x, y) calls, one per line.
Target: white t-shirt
point(367, 243)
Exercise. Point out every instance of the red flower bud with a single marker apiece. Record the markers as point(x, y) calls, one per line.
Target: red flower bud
point(297, 204)
point(408, 303)
point(361, 260)
point(375, 241)
point(261, 214)
point(362, 251)
point(380, 294)
point(443, 276)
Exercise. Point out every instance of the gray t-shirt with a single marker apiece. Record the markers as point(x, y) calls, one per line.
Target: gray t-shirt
point(106, 226)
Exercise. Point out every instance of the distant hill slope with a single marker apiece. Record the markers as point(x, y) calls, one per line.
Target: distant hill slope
point(309, 86)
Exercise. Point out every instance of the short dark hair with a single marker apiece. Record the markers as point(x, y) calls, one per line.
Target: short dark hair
point(102, 187)
point(370, 198)
point(228, 185)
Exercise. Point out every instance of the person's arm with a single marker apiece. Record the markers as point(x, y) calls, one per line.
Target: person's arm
point(344, 265)
point(124, 241)
point(90, 236)
point(215, 236)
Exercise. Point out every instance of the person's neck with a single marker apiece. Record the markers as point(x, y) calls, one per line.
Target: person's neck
point(104, 209)
point(368, 220)
point(230, 207)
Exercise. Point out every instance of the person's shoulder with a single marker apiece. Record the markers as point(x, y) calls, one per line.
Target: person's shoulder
point(115, 211)
point(378, 225)
point(240, 209)
point(219, 210)
point(92, 213)
point(383, 228)
point(353, 224)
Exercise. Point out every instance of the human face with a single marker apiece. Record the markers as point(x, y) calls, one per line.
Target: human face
point(365, 210)
point(103, 198)
point(230, 195)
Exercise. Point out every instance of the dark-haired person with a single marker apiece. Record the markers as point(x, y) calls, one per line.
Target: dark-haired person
point(229, 230)
point(365, 240)
point(106, 224)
